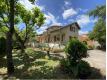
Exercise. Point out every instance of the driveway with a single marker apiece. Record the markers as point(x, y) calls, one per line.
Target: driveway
point(97, 59)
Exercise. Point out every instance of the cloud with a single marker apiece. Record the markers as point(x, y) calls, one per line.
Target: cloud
point(82, 10)
point(68, 13)
point(50, 20)
point(41, 29)
point(67, 3)
point(83, 32)
point(84, 20)
point(29, 6)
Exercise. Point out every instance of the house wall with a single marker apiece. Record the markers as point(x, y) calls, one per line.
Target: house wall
point(69, 33)
point(64, 31)
point(49, 36)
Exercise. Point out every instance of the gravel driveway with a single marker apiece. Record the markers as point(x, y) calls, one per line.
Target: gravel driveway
point(97, 59)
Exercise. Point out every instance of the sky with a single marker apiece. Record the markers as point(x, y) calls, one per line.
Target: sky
point(63, 12)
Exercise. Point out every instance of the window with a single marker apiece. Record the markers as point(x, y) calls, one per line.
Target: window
point(62, 37)
point(71, 28)
point(74, 29)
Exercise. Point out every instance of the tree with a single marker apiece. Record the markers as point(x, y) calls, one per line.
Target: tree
point(99, 31)
point(99, 12)
point(9, 18)
point(31, 19)
point(2, 47)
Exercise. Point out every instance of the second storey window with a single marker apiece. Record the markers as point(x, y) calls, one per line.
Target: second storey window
point(71, 28)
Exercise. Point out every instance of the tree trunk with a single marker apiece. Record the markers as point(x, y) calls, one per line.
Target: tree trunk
point(48, 53)
point(10, 66)
point(22, 48)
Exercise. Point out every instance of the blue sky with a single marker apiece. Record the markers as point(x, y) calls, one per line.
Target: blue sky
point(63, 12)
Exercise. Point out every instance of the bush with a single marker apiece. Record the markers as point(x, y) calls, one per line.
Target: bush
point(2, 47)
point(76, 50)
point(78, 69)
point(65, 65)
point(73, 64)
point(84, 69)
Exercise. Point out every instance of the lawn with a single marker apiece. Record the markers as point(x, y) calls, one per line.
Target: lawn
point(38, 65)
point(35, 64)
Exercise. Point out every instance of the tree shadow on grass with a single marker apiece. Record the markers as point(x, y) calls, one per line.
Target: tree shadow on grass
point(28, 69)
point(44, 72)
point(3, 62)
point(96, 74)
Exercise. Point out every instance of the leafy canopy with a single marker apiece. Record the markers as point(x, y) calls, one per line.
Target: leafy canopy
point(99, 31)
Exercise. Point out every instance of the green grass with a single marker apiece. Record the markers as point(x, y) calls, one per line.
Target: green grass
point(35, 64)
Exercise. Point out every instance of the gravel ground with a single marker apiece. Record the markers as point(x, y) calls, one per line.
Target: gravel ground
point(97, 59)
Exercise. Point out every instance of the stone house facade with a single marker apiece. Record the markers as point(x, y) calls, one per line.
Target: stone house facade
point(59, 34)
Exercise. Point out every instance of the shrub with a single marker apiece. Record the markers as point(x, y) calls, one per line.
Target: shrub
point(2, 47)
point(65, 65)
point(79, 69)
point(84, 69)
point(76, 50)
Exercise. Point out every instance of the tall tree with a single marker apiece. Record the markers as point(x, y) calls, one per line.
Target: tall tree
point(99, 12)
point(31, 19)
point(10, 66)
point(9, 18)
point(99, 31)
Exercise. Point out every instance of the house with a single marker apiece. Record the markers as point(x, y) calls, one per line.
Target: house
point(88, 41)
point(59, 34)
point(85, 38)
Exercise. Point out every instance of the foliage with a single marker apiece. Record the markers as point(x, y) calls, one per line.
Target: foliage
point(73, 64)
point(65, 65)
point(11, 13)
point(2, 47)
point(76, 50)
point(99, 33)
point(3, 31)
point(79, 69)
point(84, 69)
point(99, 12)
point(31, 19)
